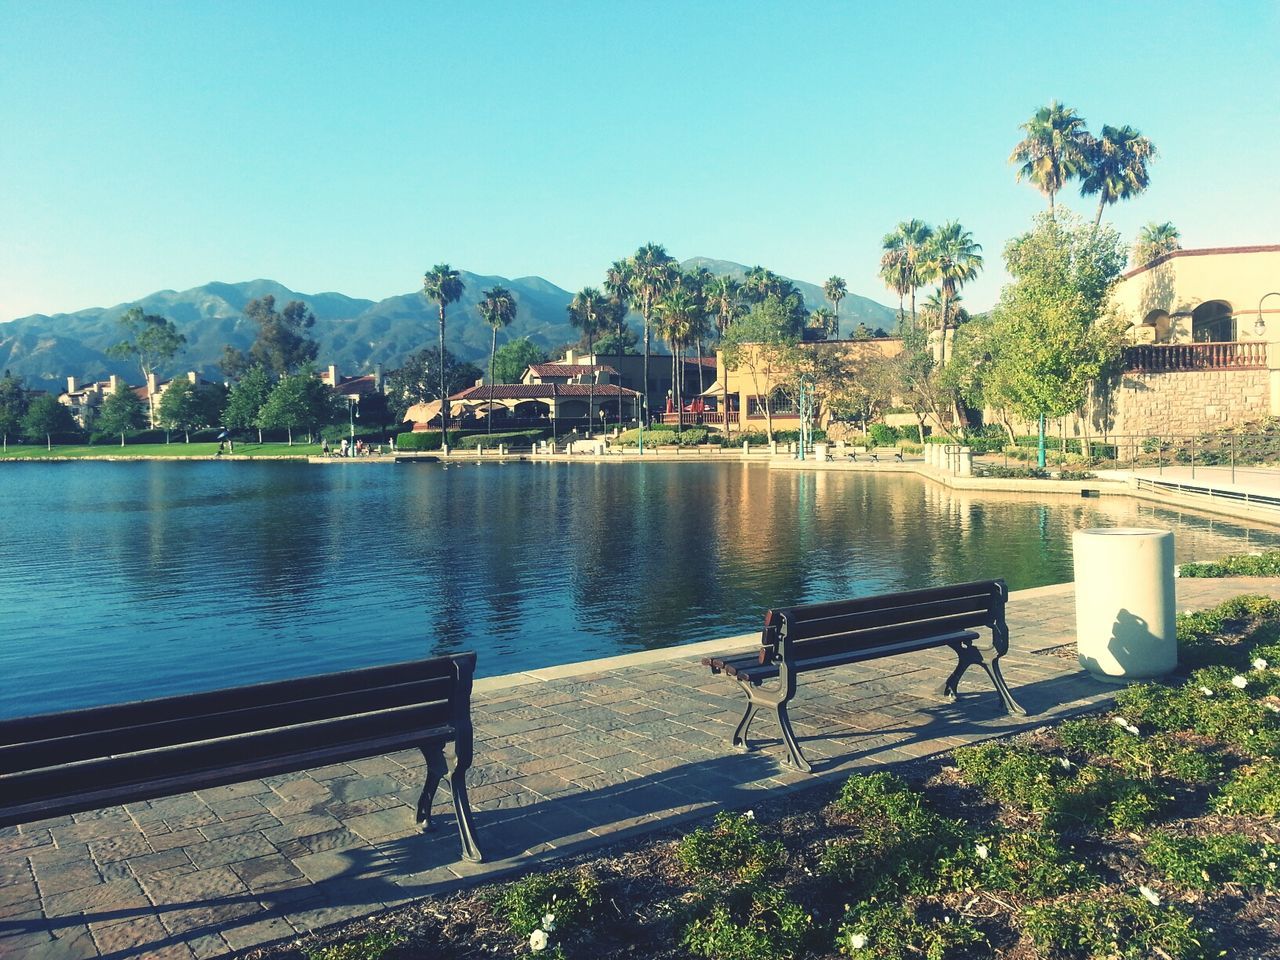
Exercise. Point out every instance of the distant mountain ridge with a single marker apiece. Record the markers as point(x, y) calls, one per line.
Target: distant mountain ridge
point(353, 333)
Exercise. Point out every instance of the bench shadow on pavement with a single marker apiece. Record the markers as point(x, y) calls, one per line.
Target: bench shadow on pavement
point(526, 829)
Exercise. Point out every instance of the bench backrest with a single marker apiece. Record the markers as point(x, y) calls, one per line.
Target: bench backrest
point(45, 755)
point(821, 629)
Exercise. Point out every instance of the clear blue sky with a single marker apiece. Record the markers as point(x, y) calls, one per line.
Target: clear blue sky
point(146, 145)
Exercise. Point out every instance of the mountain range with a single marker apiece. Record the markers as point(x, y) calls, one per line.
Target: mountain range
point(353, 333)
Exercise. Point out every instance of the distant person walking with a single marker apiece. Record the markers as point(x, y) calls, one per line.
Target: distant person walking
point(344, 447)
point(324, 447)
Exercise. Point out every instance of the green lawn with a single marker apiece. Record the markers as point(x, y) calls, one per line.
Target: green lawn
point(159, 451)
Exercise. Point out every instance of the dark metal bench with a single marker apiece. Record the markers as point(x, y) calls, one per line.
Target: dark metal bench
point(62, 763)
point(821, 635)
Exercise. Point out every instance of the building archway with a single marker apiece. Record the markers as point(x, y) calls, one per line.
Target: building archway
point(572, 410)
point(1212, 322)
point(533, 409)
point(1162, 326)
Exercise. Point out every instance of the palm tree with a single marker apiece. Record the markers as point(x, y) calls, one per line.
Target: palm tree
point(1117, 166)
point(1155, 240)
point(835, 290)
point(678, 311)
point(651, 269)
point(443, 285)
point(954, 259)
point(896, 272)
point(912, 238)
point(498, 308)
point(587, 310)
point(1054, 150)
point(824, 320)
point(724, 299)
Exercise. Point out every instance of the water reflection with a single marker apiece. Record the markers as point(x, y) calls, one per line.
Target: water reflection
point(133, 580)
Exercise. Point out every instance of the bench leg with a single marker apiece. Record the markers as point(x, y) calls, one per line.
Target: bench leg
point(436, 769)
point(775, 700)
point(462, 808)
point(789, 737)
point(970, 656)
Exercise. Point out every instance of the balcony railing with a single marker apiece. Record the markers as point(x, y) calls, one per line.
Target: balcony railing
point(1177, 357)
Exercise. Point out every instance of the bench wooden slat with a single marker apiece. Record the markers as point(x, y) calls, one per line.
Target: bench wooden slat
point(164, 786)
point(70, 748)
point(90, 719)
point(804, 627)
point(193, 758)
point(906, 598)
point(881, 637)
point(755, 672)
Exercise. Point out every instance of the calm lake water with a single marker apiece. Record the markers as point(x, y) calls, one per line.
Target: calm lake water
point(122, 581)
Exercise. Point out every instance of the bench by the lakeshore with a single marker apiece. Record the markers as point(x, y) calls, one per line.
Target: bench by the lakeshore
point(820, 635)
point(62, 763)
point(874, 455)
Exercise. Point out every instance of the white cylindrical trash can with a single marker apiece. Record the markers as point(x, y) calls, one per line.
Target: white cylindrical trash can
point(1125, 603)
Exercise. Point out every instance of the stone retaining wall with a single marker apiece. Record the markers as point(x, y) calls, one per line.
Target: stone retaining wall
point(1189, 402)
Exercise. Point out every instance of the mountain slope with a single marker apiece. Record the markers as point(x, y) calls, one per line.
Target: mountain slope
point(353, 333)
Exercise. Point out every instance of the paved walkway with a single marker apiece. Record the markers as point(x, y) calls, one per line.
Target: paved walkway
point(568, 759)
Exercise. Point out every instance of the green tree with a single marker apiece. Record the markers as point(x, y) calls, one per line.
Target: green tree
point(122, 412)
point(1052, 336)
point(443, 285)
point(1155, 240)
point(513, 359)
point(904, 265)
point(1116, 166)
point(1054, 150)
point(151, 342)
point(953, 259)
point(299, 402)
point(823, 322)
point(13, 406)
point(652, 273)
point(835, 290)
point(725, 299)
point(498, 309)
point(181, 408)
point(760, 343)
point(420, 378)
point(281, 345)
point(246, 400)
point(45, 416)
point(678, 312)
point(587, 312)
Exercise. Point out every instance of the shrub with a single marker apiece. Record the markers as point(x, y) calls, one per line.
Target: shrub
point(570, 896)
point(513, 438)
point(1012, 774)
point(747, 922)
point(1206, 863)
point(1012, 473)
point(1116, 927)
point(883, 435)
point(425, 440)
point(1253, 790)
point(732, 849)
point(369, 947)
point(1236, 565)
point(1065, 474)
point(889, 931)
point(1014, 860)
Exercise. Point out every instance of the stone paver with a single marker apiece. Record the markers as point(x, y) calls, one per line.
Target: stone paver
point(567, 759)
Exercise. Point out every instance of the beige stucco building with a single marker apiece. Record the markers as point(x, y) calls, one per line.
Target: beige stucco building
point(1206, 341)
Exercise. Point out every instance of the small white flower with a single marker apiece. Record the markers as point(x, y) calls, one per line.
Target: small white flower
point(549, 922)
point(1149, 895)
point(1240, 681)
point(857, 941)
point(1259, 664)
point(982, 851)
point(1120, 722)
point(538, 941)
point(1206, 691)
point(749, 815)
point(1272, 707)
point(1064, 763)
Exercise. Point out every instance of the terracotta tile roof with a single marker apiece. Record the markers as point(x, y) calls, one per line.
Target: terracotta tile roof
point(568, 369)
point(541, 391)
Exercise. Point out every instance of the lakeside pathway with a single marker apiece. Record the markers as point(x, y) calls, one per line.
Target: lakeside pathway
point(568, 759)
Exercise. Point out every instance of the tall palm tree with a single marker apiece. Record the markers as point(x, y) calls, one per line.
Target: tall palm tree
point(835, 290)
point(697, 281)
point(896, 272)
point(912, 238)
point(651, 269)
point(587, 312)
point(1117, 166)
point(724, 299)
point(954, 259)
point(1155, 240)
point(498, 309)
point(1054, 150)
point(678, 313)
point(443, 285)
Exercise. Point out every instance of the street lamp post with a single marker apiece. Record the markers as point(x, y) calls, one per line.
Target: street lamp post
point(352, 404)
point(1260, 325)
